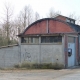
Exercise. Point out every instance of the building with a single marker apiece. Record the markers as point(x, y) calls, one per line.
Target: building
point(51, 40)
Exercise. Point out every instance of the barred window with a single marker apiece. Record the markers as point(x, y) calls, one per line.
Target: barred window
point(44, 39)
point(30, 40)
point(51, 39)
point(23, 40)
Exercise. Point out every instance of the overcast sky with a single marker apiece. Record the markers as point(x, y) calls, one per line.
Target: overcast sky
point(66, 7)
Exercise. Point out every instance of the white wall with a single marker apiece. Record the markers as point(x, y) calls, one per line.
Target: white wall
point(42, 53)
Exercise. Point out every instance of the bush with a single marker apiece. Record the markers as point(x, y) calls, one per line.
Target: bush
point(58, 66)
point(17, 66)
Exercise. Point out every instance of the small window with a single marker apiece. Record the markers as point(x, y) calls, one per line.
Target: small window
point(67, 20)
point(72, 22)
point(71, 39)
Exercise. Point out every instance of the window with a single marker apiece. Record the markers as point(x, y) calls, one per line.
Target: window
point(72, 22)
point(71, 39)
point(44, 39)
point(30, 40)
point(51, 39)
point(36, 40)
point(26, 40)
point(23, 40)
point(67, 20)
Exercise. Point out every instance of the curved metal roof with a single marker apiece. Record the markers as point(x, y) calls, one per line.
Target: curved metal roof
point(73, 26)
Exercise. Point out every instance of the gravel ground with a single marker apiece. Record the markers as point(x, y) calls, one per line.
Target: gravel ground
point(64, 74)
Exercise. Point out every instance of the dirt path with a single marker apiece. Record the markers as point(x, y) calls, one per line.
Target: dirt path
point(35, 74)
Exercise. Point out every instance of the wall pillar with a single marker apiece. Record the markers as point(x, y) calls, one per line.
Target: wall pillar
point(19, 47)
point(39, 50)
point(77, 50)
point(66, 50)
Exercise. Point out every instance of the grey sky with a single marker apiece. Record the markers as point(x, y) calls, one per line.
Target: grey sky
point(42, 6)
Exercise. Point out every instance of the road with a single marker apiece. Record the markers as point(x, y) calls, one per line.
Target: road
point(64, 74)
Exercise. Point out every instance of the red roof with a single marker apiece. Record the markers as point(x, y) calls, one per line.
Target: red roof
point(48, 25)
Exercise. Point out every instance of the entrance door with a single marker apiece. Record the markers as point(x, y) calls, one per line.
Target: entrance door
point(71, 56)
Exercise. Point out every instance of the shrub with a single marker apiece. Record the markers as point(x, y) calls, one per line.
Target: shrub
point(58, 66)
point(25, 65)
point(39, 66)
point(17, 66)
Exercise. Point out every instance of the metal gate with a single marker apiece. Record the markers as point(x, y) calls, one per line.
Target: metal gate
point(71, 54)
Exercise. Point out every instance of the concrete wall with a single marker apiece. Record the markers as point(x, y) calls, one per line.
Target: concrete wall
point(9, 56)
point(42, 53)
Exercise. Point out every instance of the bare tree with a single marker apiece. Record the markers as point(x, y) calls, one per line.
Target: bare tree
point(8, 12)
point(52, 13)
point(25, 18)
point(29, 16)
point(73, 16)
point(37, 17)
